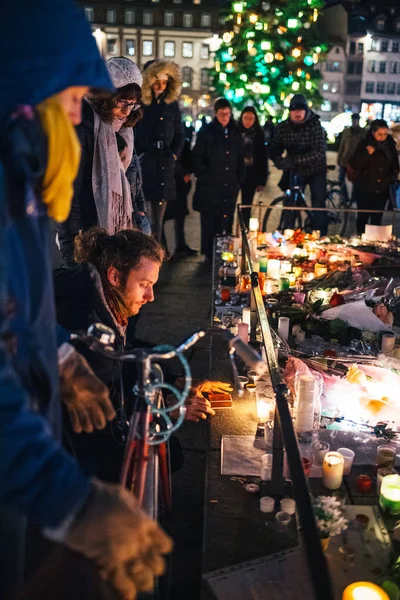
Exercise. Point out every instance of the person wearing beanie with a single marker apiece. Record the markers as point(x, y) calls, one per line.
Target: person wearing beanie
point(160, 137)
point(108, 191)
point(220, 170)
point(44, 78)
point(302, 138)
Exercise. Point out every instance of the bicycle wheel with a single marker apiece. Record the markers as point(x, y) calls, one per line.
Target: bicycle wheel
point(337, 219)
point(279, 219)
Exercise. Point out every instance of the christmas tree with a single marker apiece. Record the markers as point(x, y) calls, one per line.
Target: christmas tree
point(269, 52)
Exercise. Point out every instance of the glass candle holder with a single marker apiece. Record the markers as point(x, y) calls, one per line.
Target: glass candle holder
point(386, 456)
point(380, 474)
point(389, 498)
point(332, 470)
point(348, 456)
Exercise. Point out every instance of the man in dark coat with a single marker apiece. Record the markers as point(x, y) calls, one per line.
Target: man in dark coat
point(303, 139)
point(219, 167)
point(159, 137)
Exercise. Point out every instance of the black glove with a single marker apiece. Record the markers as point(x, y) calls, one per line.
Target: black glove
point(285, 163)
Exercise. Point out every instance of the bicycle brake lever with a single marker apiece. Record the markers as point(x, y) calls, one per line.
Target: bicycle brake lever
point(238, 386)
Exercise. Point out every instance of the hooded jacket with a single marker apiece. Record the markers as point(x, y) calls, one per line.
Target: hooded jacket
point(159, 134)
point(304, 144)
point(377, 171)
point(219, 167)
point(36, 475)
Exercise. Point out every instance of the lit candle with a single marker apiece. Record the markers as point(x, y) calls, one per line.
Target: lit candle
point(364, 590)
point(253, 224)
point(389, 498)
point(332, 470)
point(286, 267)
point(288, 233)
point(380, 474)
point(297, 271)
point(292, 279)
point(320, 269)
point(265, 410)
point(246, 316)
point(333, 258)
point(263, 264)
point(283, 283)
point(273, 268)
point(283, 328)
point(316, 234)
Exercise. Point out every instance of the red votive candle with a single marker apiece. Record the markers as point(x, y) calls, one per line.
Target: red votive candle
point(364, 484)
point(225, 295)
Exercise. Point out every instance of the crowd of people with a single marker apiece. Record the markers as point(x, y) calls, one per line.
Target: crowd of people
point(101, 149)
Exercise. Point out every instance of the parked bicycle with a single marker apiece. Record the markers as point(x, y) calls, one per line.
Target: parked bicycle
point(279, 219)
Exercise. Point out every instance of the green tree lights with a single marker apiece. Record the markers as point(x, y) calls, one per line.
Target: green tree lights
point(269, 52)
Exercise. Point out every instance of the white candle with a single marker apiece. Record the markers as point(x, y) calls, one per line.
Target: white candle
point(295, 329)
point(286, 267)
point(246, 316)
point(305, 392)
point(348, 457)
point(273, 268)
point(332, 470)
point(283, 328)
point(288, 233)
point(253, 224)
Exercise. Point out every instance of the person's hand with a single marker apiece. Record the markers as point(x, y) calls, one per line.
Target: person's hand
point(126, 545)
point(197, 409)
point(174, 156)
point(285, 163)
point(141, 213)
point(260, 188)
point(187, 178)
point(86, 398)
point(370, 149)
point(212, 386)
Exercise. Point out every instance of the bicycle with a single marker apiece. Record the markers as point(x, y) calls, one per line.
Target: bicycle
point(145, 470)
point(279, 220)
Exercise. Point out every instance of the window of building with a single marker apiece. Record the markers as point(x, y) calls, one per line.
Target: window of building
point(398, 89)
point(391, 88)
point(351, 67)
point(380, 24)
point(89, 14)
point(360, 48)
point(374, 45)
point(335, 106)
point(353, 88)
point(333, 66)
point(369, 87)
point(395, 46)
point(371, 66)
point(205, 51)
point(205, 20)
point(384, 45)
point(169, 49)
point(335, 87)
point(129, 17)
point(169, 19)
point(392, 67)
point(130, 47)
point(112, 46)
point(147, 17)
point(352, 49)
point(359, 68)
point(204, 77)
point(382, 66)
point(187, 50)
point(187, 20)
point(187, 76)
point(326, 106)
point(111, 16)
point(147, 48)
point(380, 87)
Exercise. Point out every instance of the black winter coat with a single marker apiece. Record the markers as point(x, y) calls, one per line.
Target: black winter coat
point(377, 171)
point(159, 136)
point(83, 214)
point(256, 174)
point(219, 167)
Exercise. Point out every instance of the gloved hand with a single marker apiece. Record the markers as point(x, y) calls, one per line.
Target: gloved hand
point(120, 538)
point(86, 397)
point(285, 163)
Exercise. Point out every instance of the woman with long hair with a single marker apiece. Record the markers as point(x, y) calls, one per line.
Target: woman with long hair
point(255, 157)
point(376, 166)
point(108, 190)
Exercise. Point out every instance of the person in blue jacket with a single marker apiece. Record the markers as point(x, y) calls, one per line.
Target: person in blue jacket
point(43, 78)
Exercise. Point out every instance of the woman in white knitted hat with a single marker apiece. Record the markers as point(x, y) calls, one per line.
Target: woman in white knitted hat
point(108, 190)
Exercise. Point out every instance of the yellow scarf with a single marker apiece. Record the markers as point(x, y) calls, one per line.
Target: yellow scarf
point(64, 154)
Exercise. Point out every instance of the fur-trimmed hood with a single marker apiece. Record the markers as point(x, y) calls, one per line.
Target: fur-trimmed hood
point(167, 67)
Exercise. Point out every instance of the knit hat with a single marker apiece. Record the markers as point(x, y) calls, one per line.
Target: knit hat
point(123, 71)
point(298, 102)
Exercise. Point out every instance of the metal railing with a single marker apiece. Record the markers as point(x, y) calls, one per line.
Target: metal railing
point(284, 437)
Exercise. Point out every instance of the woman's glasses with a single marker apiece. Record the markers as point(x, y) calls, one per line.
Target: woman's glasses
point(129, 105)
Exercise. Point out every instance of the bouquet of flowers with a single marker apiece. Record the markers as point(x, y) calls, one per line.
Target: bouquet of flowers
point(329, 516)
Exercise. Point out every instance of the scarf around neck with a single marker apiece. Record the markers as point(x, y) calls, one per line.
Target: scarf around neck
point(111, 190)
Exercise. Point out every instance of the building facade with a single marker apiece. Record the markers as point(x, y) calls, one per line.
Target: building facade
point(179, 30)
